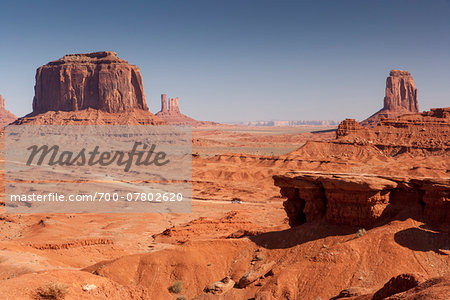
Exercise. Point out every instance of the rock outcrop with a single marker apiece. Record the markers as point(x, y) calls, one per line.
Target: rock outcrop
point(362, 200)
point(398, 284)
point(400, 98)
point(253, 275)
point(220, 287)
point(99, 80)
point(424, 133)
point(6, 116)
point(91, 88)
point(172, 115)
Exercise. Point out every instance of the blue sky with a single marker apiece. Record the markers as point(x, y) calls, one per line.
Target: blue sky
point(240, 60)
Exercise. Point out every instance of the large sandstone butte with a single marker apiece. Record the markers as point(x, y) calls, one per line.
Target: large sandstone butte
point(400, 99)
point(99, 80)
point(90, 88)
point(6, 116)
point(172, 115)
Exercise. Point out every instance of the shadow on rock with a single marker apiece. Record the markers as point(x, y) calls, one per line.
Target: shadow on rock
point(419, 239)
point(300, 234)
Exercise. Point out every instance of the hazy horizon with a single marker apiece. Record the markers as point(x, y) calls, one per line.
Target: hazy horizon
point(240, 60)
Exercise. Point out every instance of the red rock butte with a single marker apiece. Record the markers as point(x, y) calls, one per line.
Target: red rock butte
point(171, 113)
point(90, 88)
point(99, 80)
point(6, 116)
point(401, 98)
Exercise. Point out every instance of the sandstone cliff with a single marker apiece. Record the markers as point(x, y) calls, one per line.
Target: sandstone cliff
point(361, 199)
point(99, 80)
point(91, 88)
point(418, 134)
point(401, 98)
point(6, 116)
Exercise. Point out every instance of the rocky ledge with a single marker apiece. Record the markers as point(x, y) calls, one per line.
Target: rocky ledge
point(362, 199)
point(423, 133)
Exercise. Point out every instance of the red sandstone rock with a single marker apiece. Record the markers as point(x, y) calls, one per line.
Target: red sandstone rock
point(362, 200)
point(347, 126)
point(99, 80)
point(220, 287)
point(253, 275)
point(425, 133)
point(398, 284)
point(6, 116)
point(173, 116)
point(164, 103)
point(89, 89)
point(91, 117)
point(401, 97)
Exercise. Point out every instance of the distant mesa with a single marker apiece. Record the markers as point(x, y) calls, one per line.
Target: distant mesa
point(401, 98)
point(6, 116)
point(89, 88)
point(170, 112)
point(280, 123)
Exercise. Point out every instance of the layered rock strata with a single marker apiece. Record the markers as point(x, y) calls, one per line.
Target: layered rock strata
point(422, 133)
point(362, 200)
point(90, 88)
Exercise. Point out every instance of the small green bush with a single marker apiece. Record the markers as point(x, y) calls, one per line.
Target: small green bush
point(361, 232)
point(176, 287)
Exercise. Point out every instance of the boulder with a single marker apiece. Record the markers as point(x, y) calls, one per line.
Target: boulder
point(255, 274)
point(220, 287)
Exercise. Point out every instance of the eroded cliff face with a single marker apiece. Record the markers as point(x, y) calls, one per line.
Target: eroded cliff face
point(362, 200)
point(400, 98)
point(99, 80)
point(418, 134)
point(401, 92)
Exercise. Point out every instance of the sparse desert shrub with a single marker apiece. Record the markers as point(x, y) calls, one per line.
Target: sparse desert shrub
point(176, 287)
point(53, 290)
point(361, 232)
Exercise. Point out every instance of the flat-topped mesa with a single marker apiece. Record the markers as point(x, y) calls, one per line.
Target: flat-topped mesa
point(98, 80)
point(400, 98)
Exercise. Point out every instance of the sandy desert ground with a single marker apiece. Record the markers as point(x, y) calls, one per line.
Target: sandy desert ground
point(237, 224)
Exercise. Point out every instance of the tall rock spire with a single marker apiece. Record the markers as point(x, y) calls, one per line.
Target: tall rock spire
point(400, 98)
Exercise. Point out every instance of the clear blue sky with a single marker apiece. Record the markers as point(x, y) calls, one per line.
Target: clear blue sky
point(240, 60)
